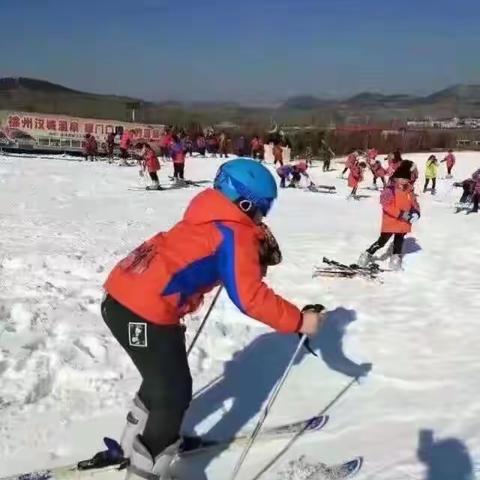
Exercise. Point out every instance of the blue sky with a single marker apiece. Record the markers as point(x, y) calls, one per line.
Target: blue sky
point(245, 50)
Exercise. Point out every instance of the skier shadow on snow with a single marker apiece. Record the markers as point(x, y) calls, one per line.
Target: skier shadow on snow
point(252, 373)
point(446, 459)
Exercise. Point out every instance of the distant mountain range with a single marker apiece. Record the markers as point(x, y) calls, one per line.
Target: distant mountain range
point(33, 95)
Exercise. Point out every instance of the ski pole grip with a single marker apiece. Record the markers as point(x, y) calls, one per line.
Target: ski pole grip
point(314, 307)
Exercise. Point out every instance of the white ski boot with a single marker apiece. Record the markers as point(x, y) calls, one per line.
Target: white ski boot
point(136, 420)
point(395, 263)
point(144, 467)
point(364, 260)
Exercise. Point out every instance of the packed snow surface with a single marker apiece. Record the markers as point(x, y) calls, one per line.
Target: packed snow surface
point(65, 382)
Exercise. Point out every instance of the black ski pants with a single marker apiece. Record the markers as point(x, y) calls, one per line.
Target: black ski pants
point(158, 352)
point(384, 238)
point(178, 170)
point(427, 181)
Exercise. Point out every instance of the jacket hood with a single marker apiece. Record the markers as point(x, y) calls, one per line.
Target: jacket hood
point(212, 206)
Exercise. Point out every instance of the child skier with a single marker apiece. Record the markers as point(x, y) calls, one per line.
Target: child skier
point(90, 147)
point(394, 160)
point(126, 141)
point(431, 170)
point(450, 160)
point(278, 154)
point(218, 241)
point(471, 192)
point(178, 153)
point(292, 172)
point(150, 164)
point(350, 162)
point(356, 177)
point(400, 209)
point(378, 172)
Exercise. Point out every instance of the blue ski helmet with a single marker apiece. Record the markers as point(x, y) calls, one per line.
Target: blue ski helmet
point(247, 179)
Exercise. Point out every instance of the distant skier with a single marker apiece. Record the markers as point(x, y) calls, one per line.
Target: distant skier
point(431, 171)
point(110, 146)
point(257, 148)
point(325, 154)
point(292, 172)
point(372, 154)
point(212, 145)
point(400, 210)
point(278, 154)
point(351, 161)
point(223, 141)
point(178, 153)
point(126, 142)
point(394, 160)
point(166, 140)
point(218, 241)
point(201, 145)
point(471, 192)
point(356, 177)
point(90, 147)
point(241, 146)
point(450, 161)
point(378, 172)
point(151, 165)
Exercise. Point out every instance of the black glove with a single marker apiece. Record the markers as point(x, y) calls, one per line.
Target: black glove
point(314, 307)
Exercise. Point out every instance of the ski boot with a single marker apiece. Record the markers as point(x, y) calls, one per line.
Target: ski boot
point(395, 263)
point(144, 466)
point(136, 420)
point(365, 259)
point(154, 186)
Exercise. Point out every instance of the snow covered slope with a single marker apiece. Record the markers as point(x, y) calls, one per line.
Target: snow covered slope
point(65, 383)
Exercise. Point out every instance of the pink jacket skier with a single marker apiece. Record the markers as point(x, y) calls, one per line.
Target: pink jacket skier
point(350, 162)
point(372, 154)
point(378, 172)
point(450, 160)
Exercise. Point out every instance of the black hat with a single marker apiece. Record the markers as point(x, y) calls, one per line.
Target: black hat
point(404, 170)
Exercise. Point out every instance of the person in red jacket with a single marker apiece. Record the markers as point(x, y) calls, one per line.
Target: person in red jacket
point(450, 160)
point(151, 165)
point(356, 177)
point(90, 147)
point(126, 142)
point(400, 210)
point(219, 241)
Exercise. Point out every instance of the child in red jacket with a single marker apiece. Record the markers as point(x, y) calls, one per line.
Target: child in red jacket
point(400, 210)
point(219, 241)
point(356, 177)
point(151, 165)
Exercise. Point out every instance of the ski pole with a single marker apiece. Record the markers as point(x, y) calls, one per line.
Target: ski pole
point(204, 321)
point(299, 434)
point(266, 410)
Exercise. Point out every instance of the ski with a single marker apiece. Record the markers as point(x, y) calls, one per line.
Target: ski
point(195, 445)
point(321, 188)
point(112, 460)
point(336, 472)
point(338, 269)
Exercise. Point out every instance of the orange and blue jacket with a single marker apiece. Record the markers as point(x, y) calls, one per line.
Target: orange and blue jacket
point(215, 243)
